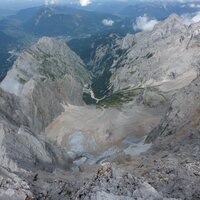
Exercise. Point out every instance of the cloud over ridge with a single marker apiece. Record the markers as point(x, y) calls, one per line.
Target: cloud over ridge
point(107, 22)
point(85, 2)
point(50, 2)
point(144, 23)
point(191, 18)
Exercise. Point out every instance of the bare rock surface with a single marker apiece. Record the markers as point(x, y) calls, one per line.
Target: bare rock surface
point(118, 185)
point(46, 76)
point(148, 64)
point(92, 130)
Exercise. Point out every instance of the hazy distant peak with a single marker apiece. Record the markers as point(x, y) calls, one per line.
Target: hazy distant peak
point(171, 25)
point(173, 18)
point(50, 43)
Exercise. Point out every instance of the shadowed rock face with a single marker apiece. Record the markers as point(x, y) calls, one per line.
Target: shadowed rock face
point(44, 77)
point(22, 151)
point(10, 109)
point(183, 110)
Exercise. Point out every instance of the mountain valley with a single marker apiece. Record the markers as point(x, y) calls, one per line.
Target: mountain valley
point(109, 115)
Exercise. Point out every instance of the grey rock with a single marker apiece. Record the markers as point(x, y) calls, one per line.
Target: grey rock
point(181, 111)
point(120, 187)
point(45, 77)
point(10, 109)
point(80, 161)
point(146, 192)
point(12, 186)
point(106, 196)
point(153, 98)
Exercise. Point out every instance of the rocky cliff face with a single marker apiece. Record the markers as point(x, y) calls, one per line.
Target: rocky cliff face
point(44, 77)
point(148, 64)
point(182, 111)
point(21, 151)
point(184, 106)
point(43, 80)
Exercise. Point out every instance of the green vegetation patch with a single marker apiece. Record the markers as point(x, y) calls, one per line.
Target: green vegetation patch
point(88, 99)
point(119, 98)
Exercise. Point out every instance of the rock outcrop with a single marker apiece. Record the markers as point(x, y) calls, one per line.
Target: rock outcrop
point(118, 185)
point(182, 112)
point(22, 151)
point(43, 80)
point(165, 58)
point(44, 77)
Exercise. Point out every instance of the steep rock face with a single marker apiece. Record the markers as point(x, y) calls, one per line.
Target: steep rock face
point(10, 109)
point(44, 77)
point(23, 152)
point(183, 111)
point(20, 148)
point(148, 64)
point(175, 150)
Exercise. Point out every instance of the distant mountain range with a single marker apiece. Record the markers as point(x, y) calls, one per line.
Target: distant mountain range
point(158, 10)
point(56, 21)
point(133, 9)
point(77, 23)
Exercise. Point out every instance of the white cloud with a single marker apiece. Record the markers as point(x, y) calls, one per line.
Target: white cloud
point(85, 2)
point(50, 2)
point(190, 19)
point(108, 22)
point(144, 23)
point(193, 5)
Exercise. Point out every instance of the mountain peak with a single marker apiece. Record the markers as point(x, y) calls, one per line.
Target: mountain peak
point(173, 18)
point(173, 21)
point(171, 25)
point(50, 44)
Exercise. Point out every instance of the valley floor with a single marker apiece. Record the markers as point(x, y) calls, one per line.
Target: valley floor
point(94, 130)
